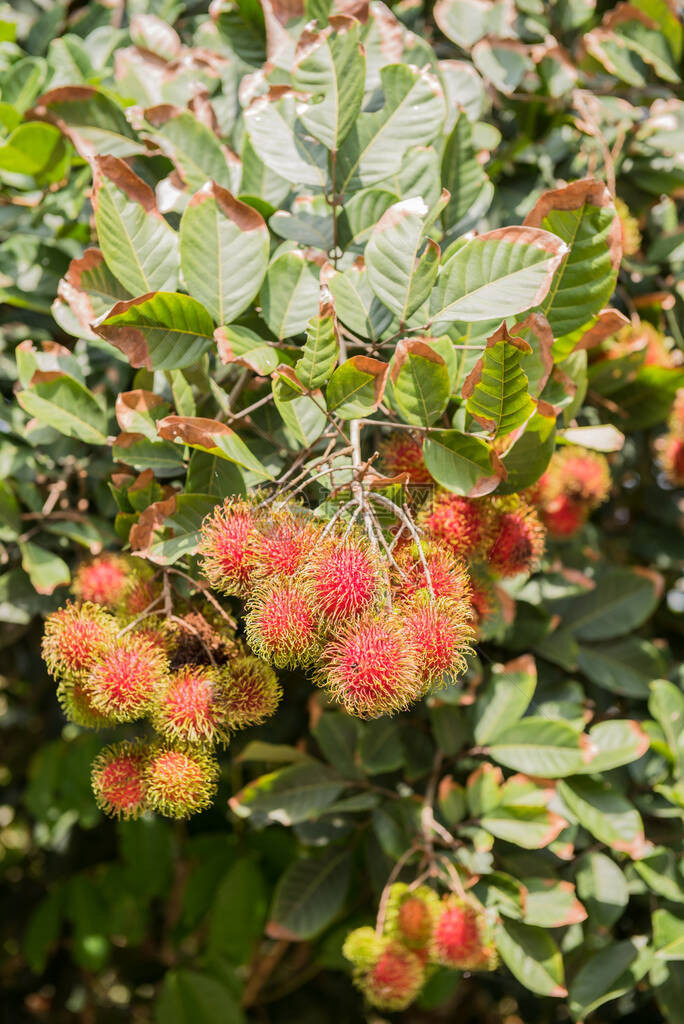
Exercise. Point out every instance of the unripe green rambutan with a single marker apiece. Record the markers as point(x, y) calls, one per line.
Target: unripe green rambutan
point(370, 666)
point(410, 913)
point(123, 682)
point(394, 980)
point(344, 578)
point(441, 634)
point(190, 707)
point(519, 539)
point(448, 576)
point(103, 580)
point(180, 782)
point(118, 779)
point(281, 625)
point(401, 452)
point(463, 525)
point(460, 936)
point(227, 544)
point(362, 947)
point(251, 692)
point(75, 637)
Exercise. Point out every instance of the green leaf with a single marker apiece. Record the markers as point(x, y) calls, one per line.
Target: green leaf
point(461, 462)
point(583, 215)
point(621, 601)
point(609, 817)
point(45, 569)
point(608, 974)
point(92, 121)
point(10, 515)
point(380, 747)
point(169, 529)
point(223, 251)
point(668, 935)
point(43, 930)
point(617, 742)
point(552, 904)
point(602, 887)
point(360, 213)
point(35, 149)
point(356, 387)
point(303, 415)
point(666, 704)
point(239, 345)
point(146, 849)
point(505, 698)
point(495, 275)
point(162, 457)
point(66, 405)
point(624, 666)
point(401, 271)
point(356, 303)
point(532, 957)
point(540, 746)
point(330, 66)
point(90, 289)
point(502, 62)
point(337, 735)
point(320, 353)
point(412, 115)
point(300, 792)
point(238, 913)
point(661, 871)
point(140, 248)
point(280, 139)
point(195, 150)
point(191, 997)
point(496, 389)
point(310, 895)
point(530, 454)
point(470, 190)
point(213, 437)
point(159, 330)
point(290, 293)
point(420, 381)
point(467, 21)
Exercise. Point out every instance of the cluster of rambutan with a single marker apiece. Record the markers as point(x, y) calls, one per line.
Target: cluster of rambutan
point(642, 341)
point(329, 602)
point(575, 483)
point(670, 447)
point(420, 932)
point(189, 679)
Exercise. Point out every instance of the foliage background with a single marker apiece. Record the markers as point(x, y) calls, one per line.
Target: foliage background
point(106, 922)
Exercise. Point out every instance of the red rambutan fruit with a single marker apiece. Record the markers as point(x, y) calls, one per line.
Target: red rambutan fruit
point(400, 452)
point(118, 779)
point(139, 595)
point(283, 544)
point(463, 525)
point(409, 914)
point(227, 543)
point(343, 577)
point(103, 580)
point(76, 705)
point(671, 449)
point(441, 633)
point(75, 637)
point(371, 667)
point(252, 692)
point(576, 473)
point(281, 624)
point(394, 980)
point(190, 708)
point(459, 936)
point(563, 516)
point(180, 782)
point(448, 576)
point(519, 539)
point(123, 682)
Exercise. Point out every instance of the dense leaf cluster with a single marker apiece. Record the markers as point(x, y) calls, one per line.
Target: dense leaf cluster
point(402, 266)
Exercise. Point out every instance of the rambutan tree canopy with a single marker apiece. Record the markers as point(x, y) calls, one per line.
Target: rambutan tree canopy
point(340, 531)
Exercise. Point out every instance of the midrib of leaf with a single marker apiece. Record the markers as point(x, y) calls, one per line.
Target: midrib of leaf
point(283, 322)
point(456, 454)
point(130, 242)
point(70, 416)
point(375, 137)
point(560, 273)
point(317, 881)
point(498, 280)
point(219, 262)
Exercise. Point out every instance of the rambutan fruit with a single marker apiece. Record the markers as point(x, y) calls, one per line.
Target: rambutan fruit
point(76, 705)
point(118, 779)
point(362, 947)
point(459, 935)
point(401, 452)
point(671, 452)
point(519, 539)
point(563, 516)
point(227, 543)
point(463, 525)
point(102, 581)
point(140, 593)
point(482, 597)
point(629, 226)
point(180, 782)
point(441, 634)
point(123, 682)
point(448, 576)
point(394, 980)
point(371, 667)
point(576, 473)
point(343, 577)
point(75, 637)
point(640, 337)
point(251, 692)
point(410, 913)
point(283, 543)
point(157, 631)
point(189, 707)
point(281, 625)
